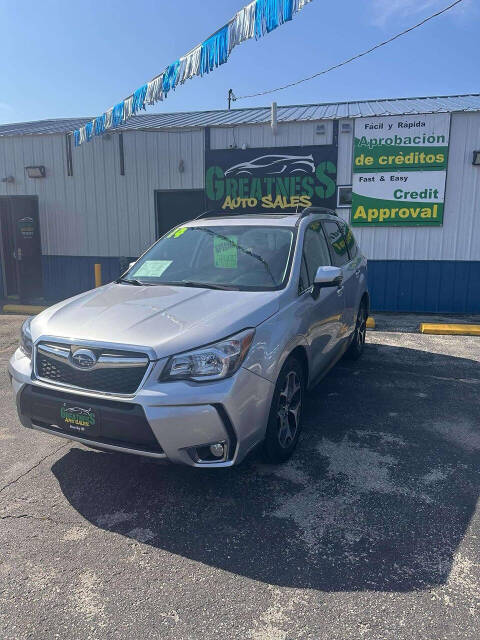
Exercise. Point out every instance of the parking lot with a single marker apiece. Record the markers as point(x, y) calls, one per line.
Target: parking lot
point(370, 531)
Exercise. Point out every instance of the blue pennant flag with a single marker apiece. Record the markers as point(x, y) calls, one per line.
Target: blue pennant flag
point(214, 51)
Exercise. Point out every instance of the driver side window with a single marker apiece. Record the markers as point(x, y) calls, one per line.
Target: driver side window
point(315, 254)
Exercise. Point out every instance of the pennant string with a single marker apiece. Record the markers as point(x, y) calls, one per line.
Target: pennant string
point(256, 19)
point(214, 51)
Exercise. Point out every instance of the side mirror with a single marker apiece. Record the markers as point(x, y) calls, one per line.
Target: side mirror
point(130, 265)
point(327, 277)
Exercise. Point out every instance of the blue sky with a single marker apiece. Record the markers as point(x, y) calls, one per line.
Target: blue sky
point(65, 59)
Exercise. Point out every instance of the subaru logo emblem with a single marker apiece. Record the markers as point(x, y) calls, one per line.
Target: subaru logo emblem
point(84, 359)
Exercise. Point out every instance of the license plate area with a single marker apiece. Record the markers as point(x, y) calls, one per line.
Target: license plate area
point(78, 418)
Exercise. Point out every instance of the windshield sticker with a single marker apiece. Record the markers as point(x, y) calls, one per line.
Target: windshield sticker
point(225, 252)
point(152, 268)
point(176, 233)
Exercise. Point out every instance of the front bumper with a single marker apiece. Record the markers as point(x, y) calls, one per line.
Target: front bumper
point(174, 418)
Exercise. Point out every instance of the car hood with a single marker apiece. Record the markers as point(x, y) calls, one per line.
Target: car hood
point(167, 319)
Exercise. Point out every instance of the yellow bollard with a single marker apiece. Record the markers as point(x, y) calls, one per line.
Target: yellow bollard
point(98, 275)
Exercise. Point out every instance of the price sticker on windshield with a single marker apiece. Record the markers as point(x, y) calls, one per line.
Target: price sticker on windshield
point(152, 268)
point(225, 252)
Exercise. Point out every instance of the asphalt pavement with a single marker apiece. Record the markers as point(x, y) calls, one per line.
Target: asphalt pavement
point(370, 532)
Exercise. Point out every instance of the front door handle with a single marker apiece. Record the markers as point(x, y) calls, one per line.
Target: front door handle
point(357, 273)
point(340, 291)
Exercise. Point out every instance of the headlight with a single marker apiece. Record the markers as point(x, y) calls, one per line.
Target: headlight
point(217, 361)
point(26, 343)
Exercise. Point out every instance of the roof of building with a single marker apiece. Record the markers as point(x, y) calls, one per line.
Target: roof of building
point(259, 115)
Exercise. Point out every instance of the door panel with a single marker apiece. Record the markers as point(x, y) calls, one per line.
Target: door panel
point(340, 258)
point(22, 252)
point(175, 207)
point(9, 265)
point(323, 315)
point(323, 318)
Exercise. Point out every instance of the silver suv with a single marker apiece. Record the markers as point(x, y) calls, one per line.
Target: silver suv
point(206, 346)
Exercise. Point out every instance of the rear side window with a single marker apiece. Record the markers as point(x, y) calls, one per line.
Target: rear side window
point(352, 245)
point(337, 243)
point(315, 250)
point(349, 239)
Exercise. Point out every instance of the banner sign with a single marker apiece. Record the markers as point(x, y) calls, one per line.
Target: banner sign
point(273, 180)
point(399, 170)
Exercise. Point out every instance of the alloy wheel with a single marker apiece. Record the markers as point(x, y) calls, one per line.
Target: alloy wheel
point(361, 328)
point(289, 409)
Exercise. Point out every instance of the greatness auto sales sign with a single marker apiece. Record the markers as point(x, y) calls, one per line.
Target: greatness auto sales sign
point(399, 170)
point(273, 180)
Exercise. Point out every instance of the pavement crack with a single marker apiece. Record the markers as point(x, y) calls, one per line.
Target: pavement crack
point(33, 467)
point(28, 516)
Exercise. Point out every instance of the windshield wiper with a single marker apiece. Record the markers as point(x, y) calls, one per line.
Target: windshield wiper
point(201, 285)
point(133, 281)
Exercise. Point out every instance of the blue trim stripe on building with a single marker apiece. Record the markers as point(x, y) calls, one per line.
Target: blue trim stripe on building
point(429, 286)
point(66, 276)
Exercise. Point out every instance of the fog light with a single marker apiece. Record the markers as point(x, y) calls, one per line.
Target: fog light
point(209, 453)
point(217, 450)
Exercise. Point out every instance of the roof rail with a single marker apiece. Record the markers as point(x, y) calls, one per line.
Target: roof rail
point(211, 213)
point(309, 210)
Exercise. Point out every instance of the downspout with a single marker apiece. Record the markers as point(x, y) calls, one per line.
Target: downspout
point(274, 121)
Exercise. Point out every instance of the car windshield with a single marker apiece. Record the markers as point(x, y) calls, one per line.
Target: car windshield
point(225, 257)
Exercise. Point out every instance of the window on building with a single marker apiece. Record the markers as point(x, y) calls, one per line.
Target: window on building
point(344, 196)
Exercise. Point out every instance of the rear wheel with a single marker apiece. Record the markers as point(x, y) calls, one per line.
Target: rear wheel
point(284, 423)
point(355, 349)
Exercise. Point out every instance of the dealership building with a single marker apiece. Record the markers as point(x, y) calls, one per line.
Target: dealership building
point(405, 173)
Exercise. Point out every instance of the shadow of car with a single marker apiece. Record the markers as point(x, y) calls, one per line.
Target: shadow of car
point(378, 497)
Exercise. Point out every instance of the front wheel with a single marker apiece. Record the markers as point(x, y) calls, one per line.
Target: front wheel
point(284, 422)
point(357, 345)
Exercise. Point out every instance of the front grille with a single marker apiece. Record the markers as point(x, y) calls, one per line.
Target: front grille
point(110, 375)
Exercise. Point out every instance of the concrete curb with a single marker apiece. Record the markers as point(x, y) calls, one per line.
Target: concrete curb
point(450, 329)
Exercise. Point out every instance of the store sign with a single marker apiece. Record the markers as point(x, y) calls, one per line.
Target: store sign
point(273, 180)
point(399, 170)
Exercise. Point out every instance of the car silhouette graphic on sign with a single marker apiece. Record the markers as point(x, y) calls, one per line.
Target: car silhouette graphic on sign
point(273, 165)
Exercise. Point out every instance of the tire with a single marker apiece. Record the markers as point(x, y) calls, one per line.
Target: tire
point(357, 345)
point(284, 422)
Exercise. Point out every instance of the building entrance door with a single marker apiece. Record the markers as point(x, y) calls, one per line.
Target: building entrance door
point(174, 207)
point(20, 246)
